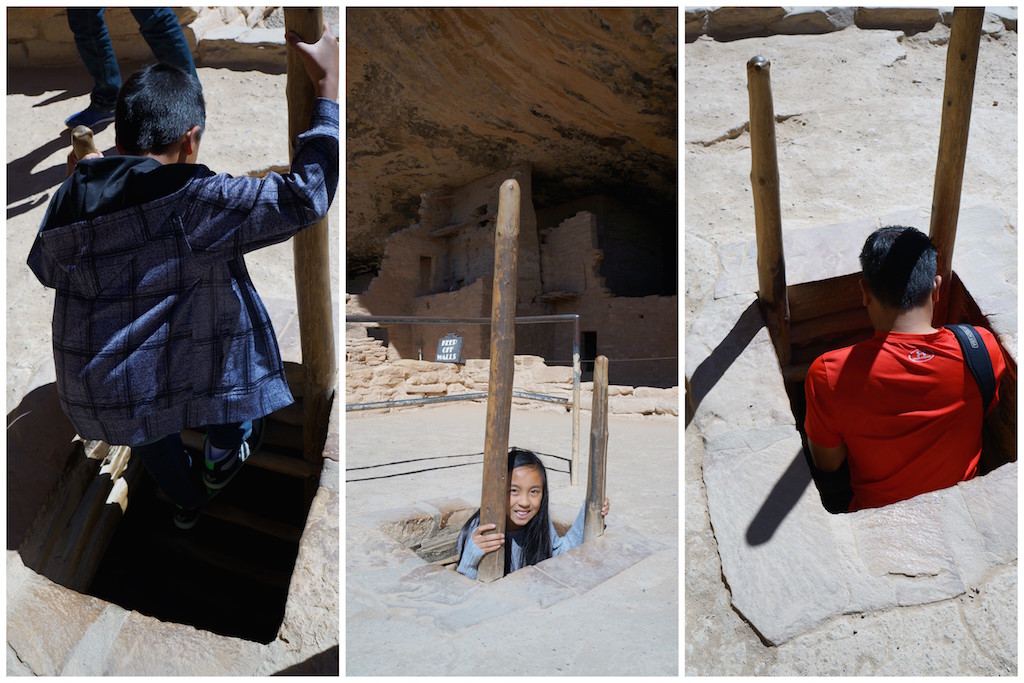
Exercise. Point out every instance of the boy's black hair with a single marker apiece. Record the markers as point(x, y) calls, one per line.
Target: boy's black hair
point(898, 265)
point(536, 541)
point(155, 107)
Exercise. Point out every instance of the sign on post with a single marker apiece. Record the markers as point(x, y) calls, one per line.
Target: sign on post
point(449, 349)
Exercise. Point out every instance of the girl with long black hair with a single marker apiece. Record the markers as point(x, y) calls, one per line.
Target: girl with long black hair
point(528, 526)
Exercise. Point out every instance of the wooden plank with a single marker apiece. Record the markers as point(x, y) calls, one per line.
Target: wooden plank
point(449, 230)
point(249, 520)
point(494, 499)
point(764, 178)
point(829, 325)
point(961, 65)
point(227, 562)
point(593, 523)
point(809, 300)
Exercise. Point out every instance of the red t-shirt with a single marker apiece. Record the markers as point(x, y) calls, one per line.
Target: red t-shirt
point(907, 408)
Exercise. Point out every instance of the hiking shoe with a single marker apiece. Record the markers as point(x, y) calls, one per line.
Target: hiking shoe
point(185, 518)
point(90, 117)
point(216, 475)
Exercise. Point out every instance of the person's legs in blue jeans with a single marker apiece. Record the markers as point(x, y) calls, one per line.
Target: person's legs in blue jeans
point(170, 466)
point(97, 53)
point(160, 27)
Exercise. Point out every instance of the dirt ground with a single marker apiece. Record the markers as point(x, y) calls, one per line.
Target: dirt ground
point(858, 116)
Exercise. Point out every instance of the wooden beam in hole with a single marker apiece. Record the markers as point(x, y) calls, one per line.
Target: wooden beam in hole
point(809, 300)
point(227, 562)
point(247, 520)
point(831, 324)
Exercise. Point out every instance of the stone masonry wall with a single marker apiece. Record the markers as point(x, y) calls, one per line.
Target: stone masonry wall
point(570, 258)
point(370, 378)
point(733, 23)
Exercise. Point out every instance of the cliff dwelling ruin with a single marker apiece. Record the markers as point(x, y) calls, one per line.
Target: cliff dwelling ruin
point(579, 106)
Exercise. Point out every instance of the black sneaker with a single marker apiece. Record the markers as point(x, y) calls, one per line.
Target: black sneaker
point(216, 475)
point(90, 117)
point(185, 518)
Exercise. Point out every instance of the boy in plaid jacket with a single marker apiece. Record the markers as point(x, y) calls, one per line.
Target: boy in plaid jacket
point(157, 326)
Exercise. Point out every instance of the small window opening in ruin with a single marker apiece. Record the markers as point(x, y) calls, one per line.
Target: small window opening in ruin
point(426, 274)
point(481, 215)
point(841, 322)
point(378, 333)
point(588, 351)
point(230, 573)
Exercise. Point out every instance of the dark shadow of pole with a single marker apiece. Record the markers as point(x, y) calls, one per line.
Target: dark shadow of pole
point(707, 374)
point(780, 501)
point(326, 663)
point(833, 490)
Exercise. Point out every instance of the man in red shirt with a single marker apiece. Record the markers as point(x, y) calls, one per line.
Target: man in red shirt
point(901, 408)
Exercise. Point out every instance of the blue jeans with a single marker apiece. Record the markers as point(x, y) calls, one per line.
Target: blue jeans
point(170, 465)
point(158, 25)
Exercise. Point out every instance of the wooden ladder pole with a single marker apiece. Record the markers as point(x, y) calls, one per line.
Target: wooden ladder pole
point(593, 523)
point(311, 249)
point(764, 177)
point(494, 499)
point(961, 66)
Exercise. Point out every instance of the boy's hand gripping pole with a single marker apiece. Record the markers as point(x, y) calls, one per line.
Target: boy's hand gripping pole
point(494, 500)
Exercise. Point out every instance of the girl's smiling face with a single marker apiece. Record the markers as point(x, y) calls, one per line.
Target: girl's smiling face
point(526, 492)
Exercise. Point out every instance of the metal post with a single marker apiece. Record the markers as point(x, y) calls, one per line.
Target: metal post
point(311, 250)
point(764, 177)
point(961, 65)
point(494, 499)
point(574, 468)
point(593, 523)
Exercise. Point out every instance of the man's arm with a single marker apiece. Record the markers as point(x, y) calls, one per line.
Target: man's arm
point(827, 459)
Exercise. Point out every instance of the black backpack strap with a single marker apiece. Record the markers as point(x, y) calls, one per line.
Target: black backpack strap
point(977, 359)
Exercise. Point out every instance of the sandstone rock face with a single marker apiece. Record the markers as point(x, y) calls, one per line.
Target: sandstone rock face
point(445, 96)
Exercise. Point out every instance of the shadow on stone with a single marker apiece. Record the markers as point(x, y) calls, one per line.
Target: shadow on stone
point(707, 374)
point(39, 443)
point(326, 663)
point(780, 501)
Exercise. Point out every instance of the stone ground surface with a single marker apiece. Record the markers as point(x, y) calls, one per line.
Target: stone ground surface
point(857, 145)
point(609, 607)
point(246, 131)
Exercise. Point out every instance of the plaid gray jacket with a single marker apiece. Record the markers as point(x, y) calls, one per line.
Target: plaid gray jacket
point(156, 323)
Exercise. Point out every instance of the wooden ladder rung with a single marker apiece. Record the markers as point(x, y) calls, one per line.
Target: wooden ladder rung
point(248, 520)
point(215, 558)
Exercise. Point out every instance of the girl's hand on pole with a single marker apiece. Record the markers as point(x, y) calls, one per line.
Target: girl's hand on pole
point(606, 507)
point(488, 543)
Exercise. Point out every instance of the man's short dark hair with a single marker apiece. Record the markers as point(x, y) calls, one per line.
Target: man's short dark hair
point(155, 107)
point(898, 265)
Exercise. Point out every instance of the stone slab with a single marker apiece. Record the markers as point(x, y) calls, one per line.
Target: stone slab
point(791, 566)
